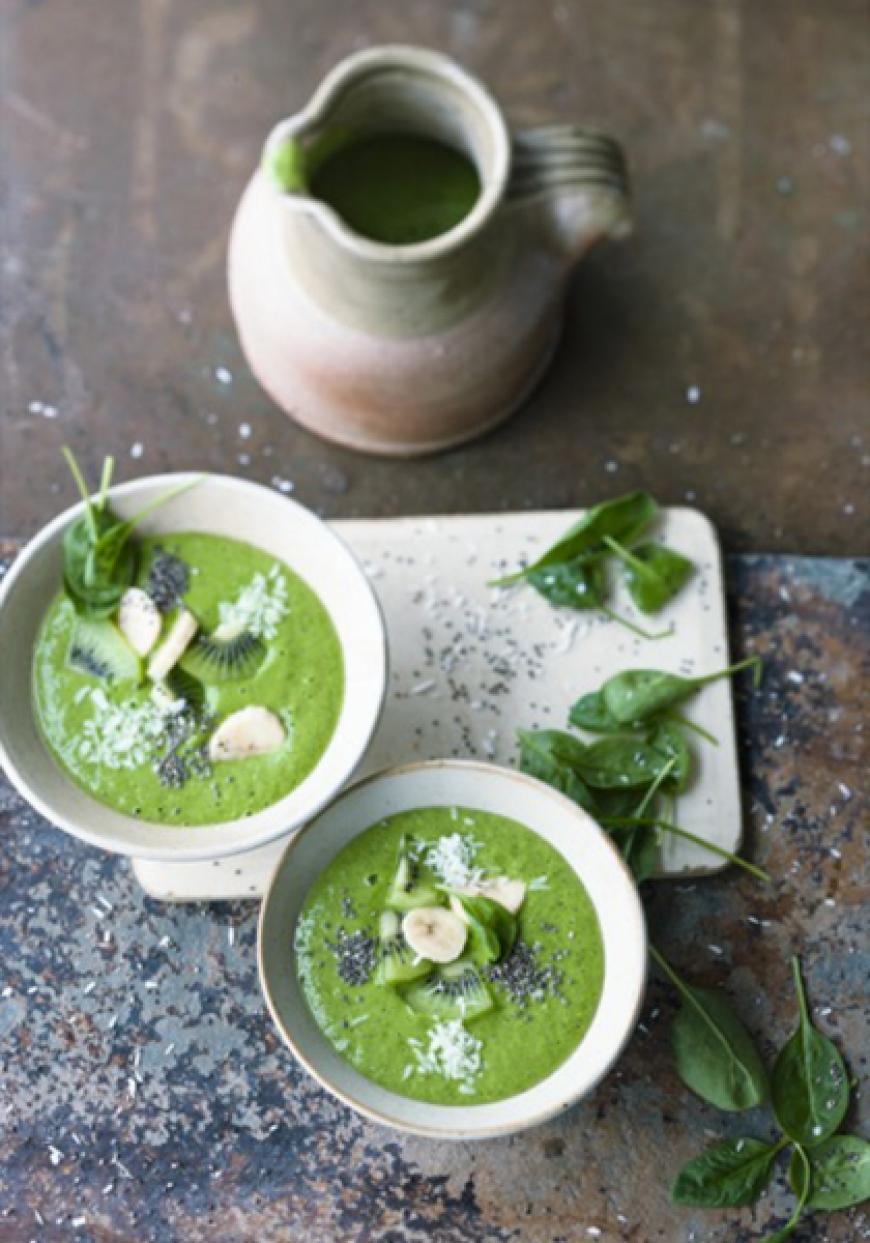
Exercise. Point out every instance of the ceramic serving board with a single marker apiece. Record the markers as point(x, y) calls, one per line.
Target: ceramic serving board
point(469, 664)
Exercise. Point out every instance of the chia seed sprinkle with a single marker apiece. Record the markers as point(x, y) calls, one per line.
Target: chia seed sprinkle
point(355, 955)
point(523, 977)
point(168, 580)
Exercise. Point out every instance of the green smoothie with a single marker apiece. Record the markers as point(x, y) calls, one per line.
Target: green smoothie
point(397, 188)
point(265, 649)
point(499, 1016)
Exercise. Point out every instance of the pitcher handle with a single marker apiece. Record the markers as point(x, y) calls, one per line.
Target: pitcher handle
point(574, 182)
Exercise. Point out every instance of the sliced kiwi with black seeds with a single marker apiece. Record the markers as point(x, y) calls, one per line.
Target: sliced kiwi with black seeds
point(98, 649)
point(406, 892)
point(397, 963)
point(454, 991)
point(229, 654)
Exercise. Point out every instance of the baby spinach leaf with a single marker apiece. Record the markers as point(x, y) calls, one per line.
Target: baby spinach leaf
point(839, 1172)
point(619, 761)
point(668, 738)
point(551, 756)
point(636, 695)
point(802, 1187)
point(715, 1055)
point(576, 584)
point(623, 518)
point(590, 712)
point(639, 847)
point(492, 927)
point(809, 1087)
point(729, 1174)
point(653, 573)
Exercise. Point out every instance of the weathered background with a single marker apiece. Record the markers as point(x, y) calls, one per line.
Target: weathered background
point(142, 1093)
point(129, 130)
point(146, 1099)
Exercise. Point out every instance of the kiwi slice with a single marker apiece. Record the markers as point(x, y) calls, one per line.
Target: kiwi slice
point(397, 962)
point(405, 892)
point(98, 649)
point(228, 654)
point(455, 991)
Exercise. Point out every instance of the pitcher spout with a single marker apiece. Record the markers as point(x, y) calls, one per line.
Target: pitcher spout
point(574, 182)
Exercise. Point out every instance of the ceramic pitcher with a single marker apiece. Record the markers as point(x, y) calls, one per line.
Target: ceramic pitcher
point(409, 349)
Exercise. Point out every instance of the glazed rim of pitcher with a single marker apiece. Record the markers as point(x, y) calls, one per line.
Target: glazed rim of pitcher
point(474, 126)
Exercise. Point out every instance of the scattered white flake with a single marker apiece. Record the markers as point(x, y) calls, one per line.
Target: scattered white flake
point(795, 676)
point(407, 1072)
point(715, 949)
point(39, 1217)
point(539, 882)
point(452, 1052)
point(780, 741)
point(43, 408)
point(245, 431)
point(830, 902)
point(165, 942)
point(260, 606)
point(848, 508)
point(422, 687)
point(223, 375)
point(95, 910)
point(844, 790)
point(121, 1167)
point(231, 934)
point(137, 449)
point(104, 902)
point(108, 1187)
point(693, 394)
point(119, 735)
point(7, 991)
point(593, 1231)
point(839, 144)
point(835, 853)
point(283, 485)
point(55, 1155)
point(131, 1087)
point(824, 1011)
point(89, 988)
point(169, 1048)
point(611, 466)
point(78, 1222)
point(451, 858)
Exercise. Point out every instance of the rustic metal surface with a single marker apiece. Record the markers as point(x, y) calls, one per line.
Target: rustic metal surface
point(129, 131)
point(145, 1097)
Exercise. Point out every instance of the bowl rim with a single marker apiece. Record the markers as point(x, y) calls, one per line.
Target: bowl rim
point(429, 1130)
point(187, 850)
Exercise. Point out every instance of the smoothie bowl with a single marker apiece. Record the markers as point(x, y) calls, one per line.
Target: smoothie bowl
point(210, 692)
point(453, 949)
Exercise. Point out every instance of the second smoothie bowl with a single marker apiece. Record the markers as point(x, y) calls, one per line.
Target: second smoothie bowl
point(205, 698)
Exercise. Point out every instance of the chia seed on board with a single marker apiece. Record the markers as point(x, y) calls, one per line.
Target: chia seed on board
point(355, 955)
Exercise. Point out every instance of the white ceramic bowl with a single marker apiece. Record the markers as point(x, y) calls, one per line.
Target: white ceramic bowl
point(483, 787)
point(220, 505)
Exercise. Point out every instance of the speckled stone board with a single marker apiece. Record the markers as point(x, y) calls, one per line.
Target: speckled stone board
point(145, 1097)
point(470, 664)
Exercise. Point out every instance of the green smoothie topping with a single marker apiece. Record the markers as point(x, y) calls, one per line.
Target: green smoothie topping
point(190, 680)
point(450, 954)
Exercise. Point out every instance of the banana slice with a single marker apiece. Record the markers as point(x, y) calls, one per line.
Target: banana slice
point(173, 646)
point(434, 933)
point(139, 620)
point(501, 889)
point(250, 731)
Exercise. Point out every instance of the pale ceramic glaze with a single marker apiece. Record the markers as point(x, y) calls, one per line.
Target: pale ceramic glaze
point(240, 510)
point(487, 788)
point(405, 350)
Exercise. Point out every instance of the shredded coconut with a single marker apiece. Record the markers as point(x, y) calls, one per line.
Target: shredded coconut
point(451, 858)
point(452, 1052)
point(260, 606)
point(119, 735)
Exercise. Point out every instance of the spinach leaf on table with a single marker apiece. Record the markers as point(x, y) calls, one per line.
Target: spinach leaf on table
point(714, 1053)
point(623, 518)
point(839, 1173)
point(728, 1175)
point(809, 1086)
point(653, 574)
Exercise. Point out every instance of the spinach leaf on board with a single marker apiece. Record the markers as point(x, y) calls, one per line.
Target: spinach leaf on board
point(590, 712)
point(577, 584)
point(809, 1087)
point(636, 695)
point(839, 1173)
point(623, 518)
point(550, 755)
point(729, 1174)
point(653, 574)
point(639, 847)
point(802, 1188)
point(714, 1053)
point(619, 761)
point(668, 738)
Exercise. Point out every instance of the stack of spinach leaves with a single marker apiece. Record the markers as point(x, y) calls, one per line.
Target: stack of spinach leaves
point(573, 573)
